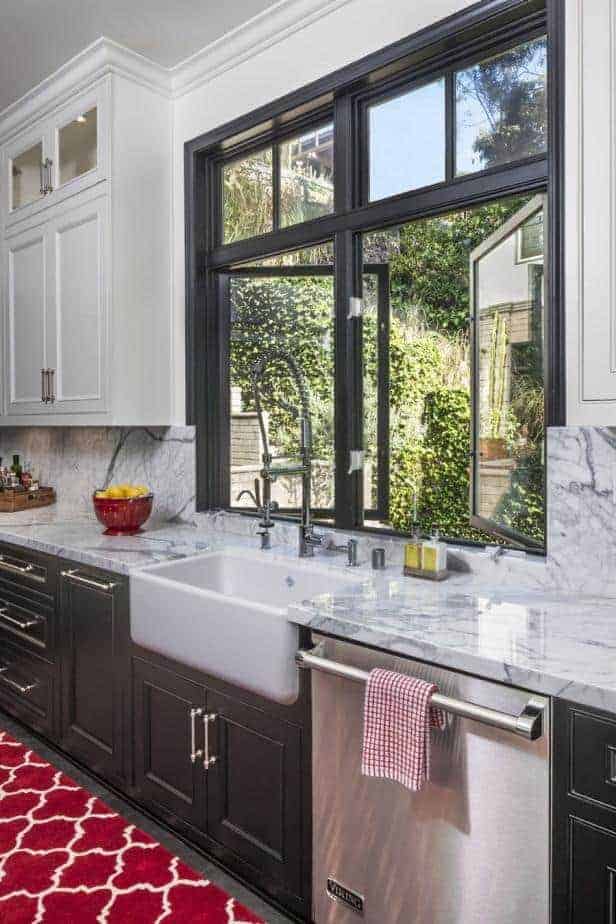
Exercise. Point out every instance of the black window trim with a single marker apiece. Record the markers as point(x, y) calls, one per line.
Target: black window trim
point(480, 28)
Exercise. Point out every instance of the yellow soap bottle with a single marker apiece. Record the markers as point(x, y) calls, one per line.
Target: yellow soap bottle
point(434, 554)
point(413, 551)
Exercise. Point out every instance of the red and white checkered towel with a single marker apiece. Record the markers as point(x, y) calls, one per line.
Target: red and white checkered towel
point(397, 721)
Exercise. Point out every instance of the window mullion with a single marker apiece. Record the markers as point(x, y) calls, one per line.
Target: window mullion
point(276, 186)
point(348, 384)
point(348, 364)
point(450, 127)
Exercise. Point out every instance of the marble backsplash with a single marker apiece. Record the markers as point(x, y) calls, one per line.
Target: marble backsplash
point(581, 480)
point(581, 498)
point(77, 460)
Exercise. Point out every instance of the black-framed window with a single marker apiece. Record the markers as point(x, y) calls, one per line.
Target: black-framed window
point(351, 193)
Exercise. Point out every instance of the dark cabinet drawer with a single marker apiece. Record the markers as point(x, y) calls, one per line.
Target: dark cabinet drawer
point(592, 898)
point(26, 621)
point(27, 687)
point(593, 758)
point(28, 569)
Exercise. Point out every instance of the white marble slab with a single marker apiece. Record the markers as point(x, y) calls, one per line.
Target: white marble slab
point(550, 643)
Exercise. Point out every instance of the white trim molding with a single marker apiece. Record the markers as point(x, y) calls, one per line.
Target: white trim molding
point(102, 57)
point(105, 56)
point(268, 28)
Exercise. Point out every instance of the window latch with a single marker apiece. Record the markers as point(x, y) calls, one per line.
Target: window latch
point(356, 461)
point(356, 308)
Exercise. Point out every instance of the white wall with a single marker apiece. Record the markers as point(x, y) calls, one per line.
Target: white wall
point(346, 34)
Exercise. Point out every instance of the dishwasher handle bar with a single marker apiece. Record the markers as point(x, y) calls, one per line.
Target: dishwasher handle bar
point(528, 724)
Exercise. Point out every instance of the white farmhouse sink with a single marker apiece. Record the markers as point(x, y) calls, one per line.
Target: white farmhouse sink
point(225, 612)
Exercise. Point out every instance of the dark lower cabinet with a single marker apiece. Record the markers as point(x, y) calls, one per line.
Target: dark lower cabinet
point(168, 771)
point(228, 774)
point(592, 888)
point(584, 828)
point(254, 787)
point(94, 639)
point(227, 770)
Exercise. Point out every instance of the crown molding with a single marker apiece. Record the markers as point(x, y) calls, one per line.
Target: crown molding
point(104, 56)
point(273, 25)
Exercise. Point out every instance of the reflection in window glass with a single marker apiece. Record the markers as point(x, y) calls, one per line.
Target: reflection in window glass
point(407, 141)
point(501, 108)
point(77, 146)
point(293, 313)
point(307, 176)
point(509, 301)
point(424, 413)
point(247, 197)
point(530, 239)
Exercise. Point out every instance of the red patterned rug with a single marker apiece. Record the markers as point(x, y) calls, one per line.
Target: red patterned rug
point(66, 857)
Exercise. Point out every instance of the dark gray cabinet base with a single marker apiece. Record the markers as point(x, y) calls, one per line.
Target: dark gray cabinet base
point(584, 830)
point(69, 670)
point(229, 771)
point(93, 642)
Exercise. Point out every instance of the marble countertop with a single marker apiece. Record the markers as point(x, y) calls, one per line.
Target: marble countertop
point(81, 540)
point(548, 642)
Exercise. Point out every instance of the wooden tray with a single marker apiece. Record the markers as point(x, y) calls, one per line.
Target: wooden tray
point(14, 499)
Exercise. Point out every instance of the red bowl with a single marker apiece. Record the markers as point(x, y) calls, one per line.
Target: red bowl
point(123, 516)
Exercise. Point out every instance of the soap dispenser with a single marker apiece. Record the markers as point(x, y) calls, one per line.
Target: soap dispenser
point(434, 557)
point(412, 552)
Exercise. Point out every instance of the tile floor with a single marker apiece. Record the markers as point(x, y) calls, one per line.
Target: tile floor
point(194, 859)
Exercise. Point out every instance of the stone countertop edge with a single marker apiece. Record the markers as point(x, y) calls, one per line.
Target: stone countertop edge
point(577, 669)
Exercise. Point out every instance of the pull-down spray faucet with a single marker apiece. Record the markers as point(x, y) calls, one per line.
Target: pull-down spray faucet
point(269, 471)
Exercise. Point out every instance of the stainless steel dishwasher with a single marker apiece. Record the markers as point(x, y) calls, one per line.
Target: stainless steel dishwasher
point(472, 847)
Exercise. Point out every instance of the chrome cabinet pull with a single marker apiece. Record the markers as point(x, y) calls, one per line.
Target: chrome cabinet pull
point(23, 688)
point(208, 759)
point(6, 565)
point(42, 174)
point(194, 753)
point(52, 385)
point(26, 623)
point(44, 386)
point(105, 586)
point(48, 165)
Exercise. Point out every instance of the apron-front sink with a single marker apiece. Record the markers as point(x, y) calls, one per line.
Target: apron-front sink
point(225, 612)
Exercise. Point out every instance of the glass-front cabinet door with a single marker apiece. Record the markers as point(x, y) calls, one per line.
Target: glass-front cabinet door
point(59, 157)
point(77, 146)
point(79, 142)
point(28, 166)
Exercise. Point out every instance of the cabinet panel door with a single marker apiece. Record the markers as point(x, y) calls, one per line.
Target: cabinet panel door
point(166, 729)
point(78, 308)
point(26, 305)
point(94, 639)
point(254, 788)
point(592, 898)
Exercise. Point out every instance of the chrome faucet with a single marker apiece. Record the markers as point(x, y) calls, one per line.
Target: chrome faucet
point(270, 472)
point(266, 510)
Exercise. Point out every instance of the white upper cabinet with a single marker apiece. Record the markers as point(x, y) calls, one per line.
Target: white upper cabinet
point(60, 156)
point(590, 213)
point(86, 252)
